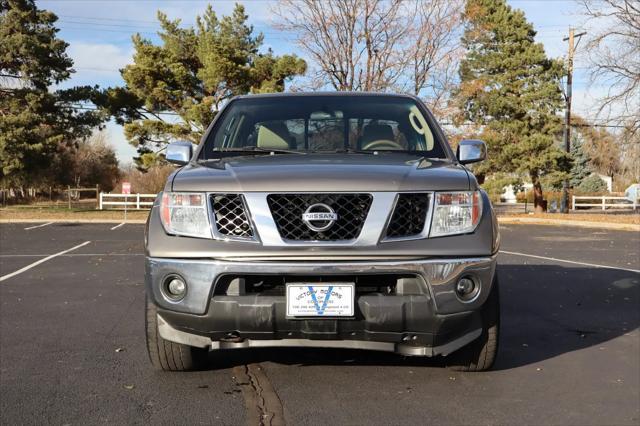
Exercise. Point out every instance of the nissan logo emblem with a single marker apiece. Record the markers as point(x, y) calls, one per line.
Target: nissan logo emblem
point(319, 217)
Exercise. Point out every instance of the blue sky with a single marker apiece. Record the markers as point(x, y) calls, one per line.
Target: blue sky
point(99, 36)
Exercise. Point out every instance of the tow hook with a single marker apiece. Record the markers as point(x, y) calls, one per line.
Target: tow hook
point(232, 337)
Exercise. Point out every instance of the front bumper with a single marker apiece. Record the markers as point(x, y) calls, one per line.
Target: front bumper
point(429, 322)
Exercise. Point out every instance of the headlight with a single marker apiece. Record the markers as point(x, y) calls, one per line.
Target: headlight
point(456, 213)
point(185, 213)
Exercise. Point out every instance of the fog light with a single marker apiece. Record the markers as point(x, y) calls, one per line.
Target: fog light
point(175, 287)
point(466, 289)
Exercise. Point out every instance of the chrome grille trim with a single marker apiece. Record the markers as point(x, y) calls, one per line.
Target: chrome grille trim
point(235, 224)
point(427, 223)
point(372, 229)
point(394, 220)
point(352, 210)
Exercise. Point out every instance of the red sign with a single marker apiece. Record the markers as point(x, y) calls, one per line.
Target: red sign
point(126, 187)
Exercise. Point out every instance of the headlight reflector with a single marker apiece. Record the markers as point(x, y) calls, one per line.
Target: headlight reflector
point(185, 213)
point(456, 213)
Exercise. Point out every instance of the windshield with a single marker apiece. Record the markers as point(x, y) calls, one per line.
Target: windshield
point(324, 124)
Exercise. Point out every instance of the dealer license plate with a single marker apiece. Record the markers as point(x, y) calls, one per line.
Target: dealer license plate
point(320, 300)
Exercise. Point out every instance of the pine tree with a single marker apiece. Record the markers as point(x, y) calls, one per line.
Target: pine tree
point(580, 168)
point(592, 184)
point(190, 75)
point(35, 122)
point(511, 88)
point(593, 149)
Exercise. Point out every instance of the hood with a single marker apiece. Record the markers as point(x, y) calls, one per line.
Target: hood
point(322, 173)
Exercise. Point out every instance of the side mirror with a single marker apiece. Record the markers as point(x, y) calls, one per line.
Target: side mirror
point(179, 152)
point(471, 151)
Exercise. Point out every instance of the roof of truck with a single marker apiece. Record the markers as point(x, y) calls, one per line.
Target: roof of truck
point(336, 93)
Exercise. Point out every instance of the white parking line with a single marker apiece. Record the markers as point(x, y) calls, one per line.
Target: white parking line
point(38, 226)
point(74, 254)
point(34, 264)
point(555, 259)
point(117, 226)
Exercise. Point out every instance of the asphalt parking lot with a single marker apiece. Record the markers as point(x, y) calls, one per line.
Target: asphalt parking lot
point(72, 344)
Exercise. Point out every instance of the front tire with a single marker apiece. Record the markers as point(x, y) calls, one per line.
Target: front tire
point(166, 355)
point(480, 354)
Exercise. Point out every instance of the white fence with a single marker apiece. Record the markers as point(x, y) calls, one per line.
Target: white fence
point(145, 201)
point(131, 201)
point(511, 208)
point(604, 202)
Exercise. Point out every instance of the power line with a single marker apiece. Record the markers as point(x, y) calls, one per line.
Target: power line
point(612, 126)
point(255, 1)
point(100, 18)
point(65, 21)
point(67, 28)
point(93, 108)
point(157, 26)
point(583, 125)
point(73, 27)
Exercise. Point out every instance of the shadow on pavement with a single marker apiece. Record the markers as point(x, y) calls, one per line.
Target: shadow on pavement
point(552, 310)
point(546, 310)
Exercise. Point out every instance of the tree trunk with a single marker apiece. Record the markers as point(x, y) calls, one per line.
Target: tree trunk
point(539, 203)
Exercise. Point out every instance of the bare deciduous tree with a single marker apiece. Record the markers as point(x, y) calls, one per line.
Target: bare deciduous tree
point(355, 43)
point(87, 160)
point(434, 50)
point(630, 163)
point(378, 45)
point(149, 182)
point(614, 53)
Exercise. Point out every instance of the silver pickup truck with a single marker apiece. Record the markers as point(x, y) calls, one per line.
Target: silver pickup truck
point(333, 220)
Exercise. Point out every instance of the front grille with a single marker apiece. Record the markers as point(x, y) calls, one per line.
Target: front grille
point(287, 211)
point(409, 216)
point(231, 217)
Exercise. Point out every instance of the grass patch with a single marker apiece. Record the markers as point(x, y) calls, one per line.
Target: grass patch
point(60, 213)
point(633, 219)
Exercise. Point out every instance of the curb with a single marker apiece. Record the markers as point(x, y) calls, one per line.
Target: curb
point(564, 222)
point(132, 221)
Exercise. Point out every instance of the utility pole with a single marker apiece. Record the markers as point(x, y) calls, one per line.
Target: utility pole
point(564, 203)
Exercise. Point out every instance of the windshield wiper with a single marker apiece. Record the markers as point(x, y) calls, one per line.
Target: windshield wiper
point(398, 151)
point(346, 151)
point(259, 150)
